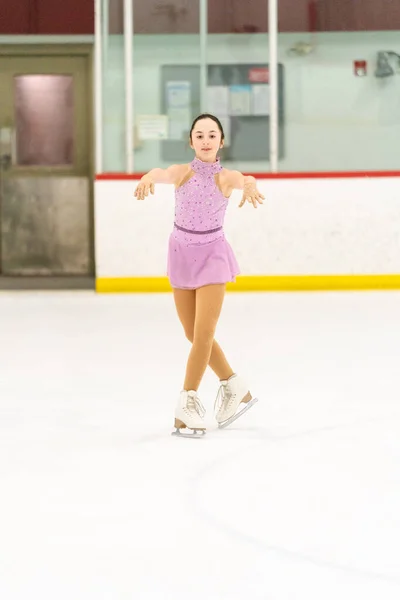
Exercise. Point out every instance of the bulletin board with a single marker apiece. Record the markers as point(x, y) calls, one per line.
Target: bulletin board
point(237, 94)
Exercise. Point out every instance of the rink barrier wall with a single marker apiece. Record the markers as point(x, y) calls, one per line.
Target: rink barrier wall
point(318, 231)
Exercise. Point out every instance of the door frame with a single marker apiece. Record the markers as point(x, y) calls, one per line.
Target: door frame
point(86, 51)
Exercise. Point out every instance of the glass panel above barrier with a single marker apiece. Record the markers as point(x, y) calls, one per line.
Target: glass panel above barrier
point(238, 81)
point(113, 70)
point(166, 74)
point(342, 84)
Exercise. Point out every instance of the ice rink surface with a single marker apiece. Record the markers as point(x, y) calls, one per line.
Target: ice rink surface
point(298, 500)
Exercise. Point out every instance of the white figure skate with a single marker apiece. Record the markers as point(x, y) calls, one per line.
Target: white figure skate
point(189, 414)
point(232, 393)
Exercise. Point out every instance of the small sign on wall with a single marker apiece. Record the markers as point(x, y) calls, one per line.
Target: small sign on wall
point(152, 127)
point(179, 97)
point(360, 68)
point(259, 75)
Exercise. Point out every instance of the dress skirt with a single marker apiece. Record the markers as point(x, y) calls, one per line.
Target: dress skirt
point(196, 265)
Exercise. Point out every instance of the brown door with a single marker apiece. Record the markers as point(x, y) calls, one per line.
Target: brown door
point(45, 165)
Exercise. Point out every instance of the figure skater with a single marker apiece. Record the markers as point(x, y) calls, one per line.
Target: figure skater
point(200, 263)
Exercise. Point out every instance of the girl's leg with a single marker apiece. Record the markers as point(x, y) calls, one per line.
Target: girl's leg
point(185, 302)
point(209, 301)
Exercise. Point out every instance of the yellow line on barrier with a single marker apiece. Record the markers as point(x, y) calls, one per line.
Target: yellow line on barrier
point(259, 283)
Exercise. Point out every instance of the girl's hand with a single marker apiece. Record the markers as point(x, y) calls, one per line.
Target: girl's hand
point(252, 195)
point(145, 186)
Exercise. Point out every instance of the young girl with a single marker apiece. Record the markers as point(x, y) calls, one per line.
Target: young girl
point(200, 263)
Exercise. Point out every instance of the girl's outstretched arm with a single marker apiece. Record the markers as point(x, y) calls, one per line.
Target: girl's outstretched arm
point(247, 183)
point(146, 184)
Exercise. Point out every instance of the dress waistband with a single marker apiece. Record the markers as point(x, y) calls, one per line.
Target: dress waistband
point(197, 232)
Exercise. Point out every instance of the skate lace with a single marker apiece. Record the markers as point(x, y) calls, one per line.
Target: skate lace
point(194, 403)
point(224, 397)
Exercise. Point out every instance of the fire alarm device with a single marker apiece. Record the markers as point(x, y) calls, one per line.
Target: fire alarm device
point(360, 68)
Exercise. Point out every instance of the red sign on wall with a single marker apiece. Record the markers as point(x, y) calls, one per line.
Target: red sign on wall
point(259, 75)
point(360, 68)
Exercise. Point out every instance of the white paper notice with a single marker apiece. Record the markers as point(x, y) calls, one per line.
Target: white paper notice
point(152, 127)
point(178, 109)
point(240, 100)
point(260, 99)
point(218, 100)
point(178, 94)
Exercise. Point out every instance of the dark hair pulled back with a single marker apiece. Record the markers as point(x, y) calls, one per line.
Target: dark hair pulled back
point(213, 118)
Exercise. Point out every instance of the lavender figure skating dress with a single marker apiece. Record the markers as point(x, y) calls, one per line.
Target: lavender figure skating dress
point(198, 252)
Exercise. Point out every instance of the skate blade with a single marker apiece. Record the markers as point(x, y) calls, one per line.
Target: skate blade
point(232, 419)
point(195, 433)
